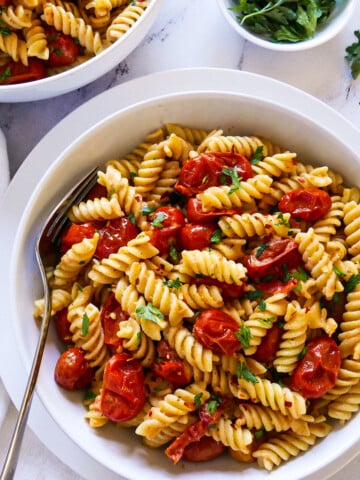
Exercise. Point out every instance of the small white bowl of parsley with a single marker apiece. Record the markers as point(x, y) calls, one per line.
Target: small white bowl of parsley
point(287, 25)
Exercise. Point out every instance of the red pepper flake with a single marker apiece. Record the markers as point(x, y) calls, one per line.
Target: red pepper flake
point(288, 404)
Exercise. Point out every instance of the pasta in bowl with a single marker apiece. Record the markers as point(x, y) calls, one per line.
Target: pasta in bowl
point(213, 348)
point(52, 47)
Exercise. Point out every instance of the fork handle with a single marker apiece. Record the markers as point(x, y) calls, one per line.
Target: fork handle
point(11, 459)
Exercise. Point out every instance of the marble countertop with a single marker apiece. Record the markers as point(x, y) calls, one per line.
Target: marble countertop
point(178, 39)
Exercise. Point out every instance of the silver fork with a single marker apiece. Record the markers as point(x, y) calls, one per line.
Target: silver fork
point(46, 253)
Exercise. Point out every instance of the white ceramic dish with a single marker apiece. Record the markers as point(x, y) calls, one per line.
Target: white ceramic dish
point(334, 24)
point(86, 72)
point(66, 433)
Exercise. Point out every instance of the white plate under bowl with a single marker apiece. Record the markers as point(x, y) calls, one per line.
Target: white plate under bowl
point(340, 16)
point(230, 100)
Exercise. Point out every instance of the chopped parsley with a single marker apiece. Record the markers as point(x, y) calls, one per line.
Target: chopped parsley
point(85, 324)
point(159, 218)
point(132, 218)
point(197, 400)
point(260, 250)
point(242, 371)
point(244, 335)
point(149, 312)
point(282, 221)
point(302, 353)
point(352, 283)
point(267, 322)
point(262, 306)
point(173, 252)
point(216, 236)
point(148, 209)
point(258, 155)
point(172, 283)
point(5, 74)
point(213, 403)
point(254, 294)
point(234, 176)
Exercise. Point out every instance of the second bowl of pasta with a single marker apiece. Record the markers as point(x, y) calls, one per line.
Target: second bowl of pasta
point(51, 48)
point(197, 290)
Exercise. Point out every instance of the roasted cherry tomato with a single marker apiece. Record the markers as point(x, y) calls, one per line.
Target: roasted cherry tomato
point(111, 315)
point(63, 50)
point(97, 191)
point(4, 2)
point(62, 326)
point(195, 214)
point(166, 224)
point(72, 370)
point(15, 72)
point(203, 450)
point(123, 393)
point(195, 432)
point(317, 371)
point(76, 234)
point(216, 330)
point(308, 204)
point(227, 290)
point(115, 234)
point(277, 286)
point(197, 236)
point(269, 345)
point(271, 259)
point(169, 365)
point(211, 169)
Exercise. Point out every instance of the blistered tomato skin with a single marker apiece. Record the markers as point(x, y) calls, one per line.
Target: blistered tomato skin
point(15, 72)
point(62, 326)
point(63, 49)
point(72, 370)
point(203, 450)
point(308, 204)
point(207, 170)
point(123, 393)
point(272, 258)
point(111, 315)
point(269, 345)
point(194, 212)
point(113, 235)
point(197, 236)
point(165, 229)
point(317, 371)
point(216, 330)
point(169, 365)
point(75, 233)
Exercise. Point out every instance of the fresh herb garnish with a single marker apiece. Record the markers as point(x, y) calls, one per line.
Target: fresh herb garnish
point(85, 324)
point(283, 20)
point(353, 55)
point(258, 155)
point(352, 283)
point(147, 209)
point(173, 252)
point(213, 403)
point(254, 294)
point(282, 221)
point(197, 400)
point(302, 353)
point(172, 283)
point(234, 176)
point(159, 218)
point(149, 312)
point(243, 372)
point(216, 236)
point(262, 306)
point(244, 336)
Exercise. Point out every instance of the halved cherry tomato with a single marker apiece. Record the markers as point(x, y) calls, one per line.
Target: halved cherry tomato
point(216, 330)
point(15, 72)
point(72, 370)
point(63, 50)
point(195, 214)
point(308, 204)
point(227, 290)
point(166, 225)
point(207, 170)
point(169, 365)
point(111, 315)
point(271, 259)
point(195, 432)
point(197, 236)
point(4, 2)
point(204, 449)
point(123, 393)
point(269, 345)
point(317, 371)
point(62, 326)
point(115, 234)
point(76, 234)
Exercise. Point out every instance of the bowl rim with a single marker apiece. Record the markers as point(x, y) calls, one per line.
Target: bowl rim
point(325, 34)
point(58, 162)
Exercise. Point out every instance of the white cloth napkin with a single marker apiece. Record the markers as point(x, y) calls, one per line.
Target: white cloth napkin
point(36, 462)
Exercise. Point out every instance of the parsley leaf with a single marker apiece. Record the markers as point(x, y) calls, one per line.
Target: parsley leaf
point(352, 283)
point(197, 400)
point(234, 176)
point(172, 283)
point(243, 372)
point(216, 236)
point(258, 155)
point(85, 324)
point(353, 55)
point(244, 336)
point(149, 312)
point(261, 249)
point(159, 218)
point(147, 209)
point(213, 403)
point(254, 294)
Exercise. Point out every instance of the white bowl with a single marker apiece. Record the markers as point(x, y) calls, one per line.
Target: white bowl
point(118, 450)
point(88, 71)
point(327, 30)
